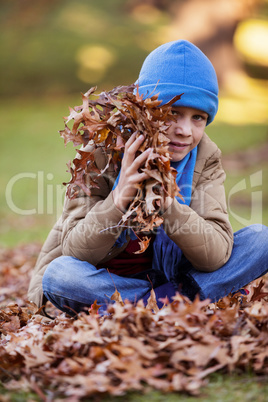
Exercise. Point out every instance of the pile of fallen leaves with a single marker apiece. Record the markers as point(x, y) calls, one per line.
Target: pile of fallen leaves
point(107, 122)
point(133, 348)
point(15, 270)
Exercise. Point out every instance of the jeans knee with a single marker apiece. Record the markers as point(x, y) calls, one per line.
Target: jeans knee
point(55, 273)
point(255, 232)
point(259, 228)
point(261, 231)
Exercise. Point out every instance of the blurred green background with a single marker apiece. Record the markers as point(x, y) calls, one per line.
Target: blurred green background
point(52, 50)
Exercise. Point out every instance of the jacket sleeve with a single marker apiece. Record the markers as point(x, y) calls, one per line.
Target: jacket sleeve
point(202, 230)
point(86, 219)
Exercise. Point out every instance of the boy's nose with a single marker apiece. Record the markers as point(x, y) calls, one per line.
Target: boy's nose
point(183, 127)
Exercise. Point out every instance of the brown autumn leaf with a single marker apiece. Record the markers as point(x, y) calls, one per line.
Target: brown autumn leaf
point(144, 244)
point(116, 296)
point(152, 302)
point(258, 293)
point(94, 308)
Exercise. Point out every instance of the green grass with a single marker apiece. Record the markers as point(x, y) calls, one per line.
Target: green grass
point(237, 138)
point(249, 204)
point(32, 152)
point(33, 156)
point(220, 388)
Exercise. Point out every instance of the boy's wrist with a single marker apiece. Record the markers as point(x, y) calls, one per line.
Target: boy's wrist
point(117, 201)
point(168, 202)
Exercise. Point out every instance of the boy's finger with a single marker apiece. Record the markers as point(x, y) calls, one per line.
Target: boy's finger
point(131, 149)
point(141, 158)
point(134, 146)
point(143, 176)
point(130, 141)
point(138, 178)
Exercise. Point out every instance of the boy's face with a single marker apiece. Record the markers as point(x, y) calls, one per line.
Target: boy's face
point(186, 132)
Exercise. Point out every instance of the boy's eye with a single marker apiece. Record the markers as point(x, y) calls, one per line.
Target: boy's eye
point(199, 117)
point(175, 112)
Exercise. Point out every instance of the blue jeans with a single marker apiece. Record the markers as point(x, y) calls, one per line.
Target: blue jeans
point(73, 285)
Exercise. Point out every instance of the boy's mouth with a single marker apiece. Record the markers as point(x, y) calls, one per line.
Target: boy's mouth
point(178, 145)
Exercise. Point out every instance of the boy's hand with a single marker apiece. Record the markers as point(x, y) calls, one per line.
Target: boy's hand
point(130, 176)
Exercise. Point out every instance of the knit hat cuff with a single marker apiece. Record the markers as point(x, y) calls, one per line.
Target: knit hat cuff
point(197, 98)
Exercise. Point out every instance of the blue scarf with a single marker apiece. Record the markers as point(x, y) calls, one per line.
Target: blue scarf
point(184, 179)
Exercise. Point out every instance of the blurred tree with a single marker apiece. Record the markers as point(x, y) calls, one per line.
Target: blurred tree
point(26, 13)
point(210, 24)
point(42, 41)
point(62, 46)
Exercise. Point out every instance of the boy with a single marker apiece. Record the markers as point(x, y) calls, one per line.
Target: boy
point(194, 251)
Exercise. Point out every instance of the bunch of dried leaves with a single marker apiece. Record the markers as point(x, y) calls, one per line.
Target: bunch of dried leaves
point(108, 122)
point(134, 347)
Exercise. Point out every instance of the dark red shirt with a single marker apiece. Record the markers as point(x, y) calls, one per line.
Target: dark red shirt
point(128, 263)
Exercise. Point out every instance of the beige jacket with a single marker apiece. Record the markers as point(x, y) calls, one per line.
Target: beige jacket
point(202, 230)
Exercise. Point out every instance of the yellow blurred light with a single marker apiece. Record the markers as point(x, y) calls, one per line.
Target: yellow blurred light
point(242, 111)
point(251, 40)
point(93, 62)
point(239, 84)
point(95, 57)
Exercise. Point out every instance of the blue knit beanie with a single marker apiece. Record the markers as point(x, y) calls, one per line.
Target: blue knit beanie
point(180, 67)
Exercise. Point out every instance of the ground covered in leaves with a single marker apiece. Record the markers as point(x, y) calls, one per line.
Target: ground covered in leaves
point(133, 348)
